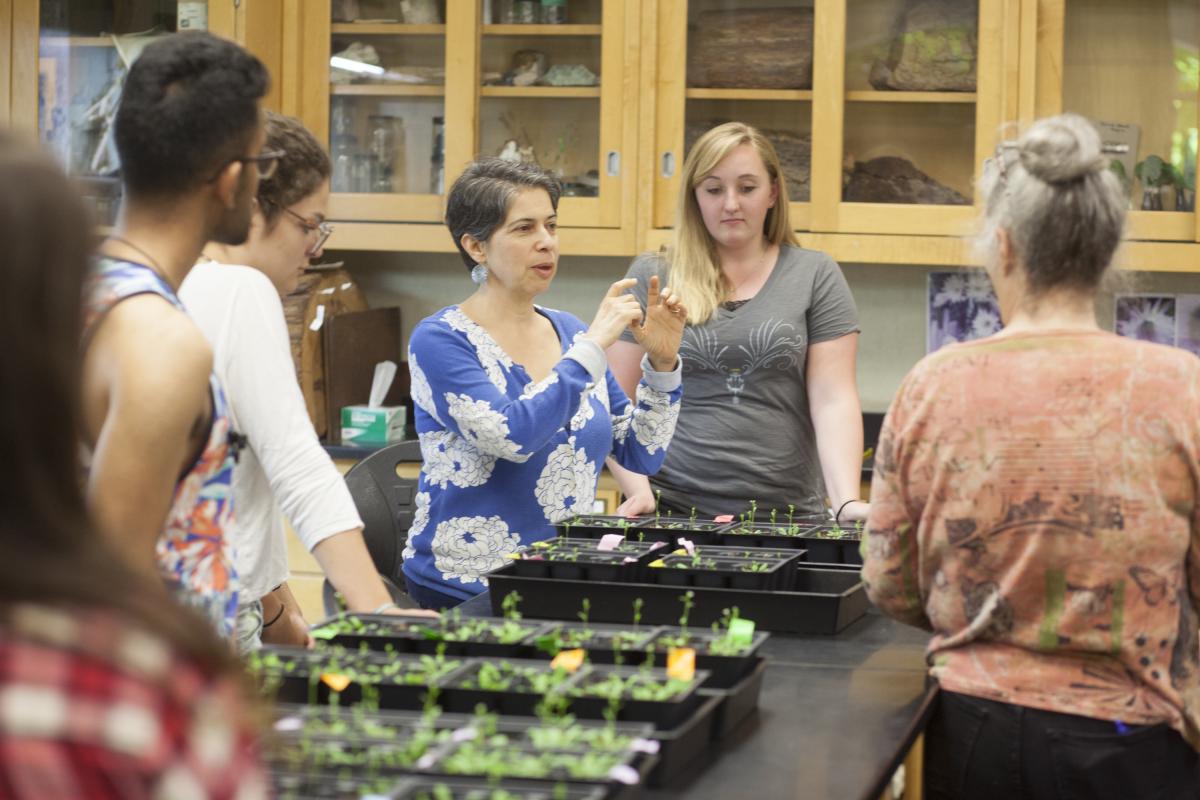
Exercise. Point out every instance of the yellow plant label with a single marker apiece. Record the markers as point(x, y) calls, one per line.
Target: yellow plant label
point(570, 660)
point(335, 681)
point(658, 562)
point(681, 663)
point(513, 556)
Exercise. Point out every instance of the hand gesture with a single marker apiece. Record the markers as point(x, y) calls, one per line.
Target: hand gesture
point(662, 330)
point(618, 311)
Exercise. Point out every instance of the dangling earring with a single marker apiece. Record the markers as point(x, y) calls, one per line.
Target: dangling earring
point(479, 274)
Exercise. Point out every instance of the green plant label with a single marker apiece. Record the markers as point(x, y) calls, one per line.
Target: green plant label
point(741, 631)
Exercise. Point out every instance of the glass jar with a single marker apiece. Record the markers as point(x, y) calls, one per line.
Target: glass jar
point(525, 12)
point(554, 12)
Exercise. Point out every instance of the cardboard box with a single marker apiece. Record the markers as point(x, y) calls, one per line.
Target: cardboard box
point(364, 426)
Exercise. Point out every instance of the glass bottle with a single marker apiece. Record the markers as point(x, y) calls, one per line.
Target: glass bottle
point(525, 12)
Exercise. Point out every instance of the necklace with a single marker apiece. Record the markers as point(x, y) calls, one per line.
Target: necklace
point(153, 263)
point(757, 269)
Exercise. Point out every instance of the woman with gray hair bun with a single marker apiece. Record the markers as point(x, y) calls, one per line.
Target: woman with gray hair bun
point(515, 407)
point(1036, 505)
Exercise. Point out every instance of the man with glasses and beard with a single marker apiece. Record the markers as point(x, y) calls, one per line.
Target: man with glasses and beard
point(160, 450)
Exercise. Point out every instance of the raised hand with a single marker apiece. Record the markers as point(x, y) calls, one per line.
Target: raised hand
point(618, 310)
point(661, 331)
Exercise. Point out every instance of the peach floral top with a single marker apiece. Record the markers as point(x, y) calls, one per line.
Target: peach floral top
point(194, 555)
point(1036, 504)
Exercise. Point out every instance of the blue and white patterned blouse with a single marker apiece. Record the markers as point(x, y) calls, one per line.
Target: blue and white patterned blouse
point(506, 457)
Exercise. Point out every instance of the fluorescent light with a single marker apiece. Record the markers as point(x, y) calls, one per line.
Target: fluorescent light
point(355, 66)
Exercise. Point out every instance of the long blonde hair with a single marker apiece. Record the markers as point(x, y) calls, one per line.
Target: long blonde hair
point(695, 271)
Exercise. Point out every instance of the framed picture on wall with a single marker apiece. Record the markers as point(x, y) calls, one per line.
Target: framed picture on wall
point(1147, 317)
point(960, 307)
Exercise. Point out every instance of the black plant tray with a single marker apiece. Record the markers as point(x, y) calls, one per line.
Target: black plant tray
point(665, 528)
point(722, 572)
point(421, 787)
point(663, 714)
point(823, 601)
point(407, 635)
point(723, 671)
point(331, 786)
point(682, 746)
point(301, 685)
point(599, 646)
point(820, 549)
point(738, 701)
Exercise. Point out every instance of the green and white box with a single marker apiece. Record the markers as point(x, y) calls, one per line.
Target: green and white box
point(369, 426)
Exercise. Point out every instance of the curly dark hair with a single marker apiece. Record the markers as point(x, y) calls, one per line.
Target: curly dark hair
point(190, 104)
point(301, 171)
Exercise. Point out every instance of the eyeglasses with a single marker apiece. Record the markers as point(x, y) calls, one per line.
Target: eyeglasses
point(267, 162)
point(323, 229)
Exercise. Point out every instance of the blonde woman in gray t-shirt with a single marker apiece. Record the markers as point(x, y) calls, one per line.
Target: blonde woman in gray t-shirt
point(770, 408)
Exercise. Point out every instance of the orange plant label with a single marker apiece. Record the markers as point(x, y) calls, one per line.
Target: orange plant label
point(335, 681)
point(570, 660)
point(681, 663)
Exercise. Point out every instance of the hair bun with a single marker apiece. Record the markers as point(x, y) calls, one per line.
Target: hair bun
point(1061, 149)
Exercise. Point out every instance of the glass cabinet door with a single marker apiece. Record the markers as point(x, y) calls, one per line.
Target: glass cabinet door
point(921, 104)
point(386, 114)
point(1134, 70)
point(84, 49)
point(550, 84)
point(734, 60)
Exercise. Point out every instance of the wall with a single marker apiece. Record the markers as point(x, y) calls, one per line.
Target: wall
point(891, 301)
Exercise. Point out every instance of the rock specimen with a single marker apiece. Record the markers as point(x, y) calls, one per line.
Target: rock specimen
point(420, 12)
point(933, 49)
point(752, 48)
point(890, 179)
point(569, 75)
point(357, 51)
point(528, 67)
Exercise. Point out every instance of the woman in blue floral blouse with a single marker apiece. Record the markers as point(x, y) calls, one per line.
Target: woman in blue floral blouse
point(515, 407)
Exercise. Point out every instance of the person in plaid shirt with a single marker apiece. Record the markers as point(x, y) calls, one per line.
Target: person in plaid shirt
point(105, 690)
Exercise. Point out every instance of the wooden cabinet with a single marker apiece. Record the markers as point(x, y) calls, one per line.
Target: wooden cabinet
point(429, 94)
point(65, 59)
point(405, 104)
point(830, 115)
point(1135, 67)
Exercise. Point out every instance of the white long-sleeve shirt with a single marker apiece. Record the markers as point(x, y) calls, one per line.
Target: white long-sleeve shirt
point(284, 471)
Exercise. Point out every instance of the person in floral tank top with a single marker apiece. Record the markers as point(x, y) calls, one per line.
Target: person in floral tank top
point(189, 133)
point(1036, 505)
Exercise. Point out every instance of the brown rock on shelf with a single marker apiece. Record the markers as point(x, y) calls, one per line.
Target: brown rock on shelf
point(890, 179)
point(794, 150)
point(933, 49)
point(752, 48)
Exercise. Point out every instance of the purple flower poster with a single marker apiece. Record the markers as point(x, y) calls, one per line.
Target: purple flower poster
point(1160, 318)
point(961, 307)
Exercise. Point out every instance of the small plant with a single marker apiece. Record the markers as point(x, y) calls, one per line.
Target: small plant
point(657, 501)
point(753, 510)
point(757, 566)
point(637, 611)
point(692, 518)
point(688, 599)
point(584, 613)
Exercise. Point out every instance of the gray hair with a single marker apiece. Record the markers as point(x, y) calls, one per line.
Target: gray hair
point(1063, 208)
point(480, 199)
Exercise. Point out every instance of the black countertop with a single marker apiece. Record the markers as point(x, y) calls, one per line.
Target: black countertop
point(836, 717)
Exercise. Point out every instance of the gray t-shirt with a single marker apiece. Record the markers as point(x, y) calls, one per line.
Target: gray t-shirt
point(744, 430)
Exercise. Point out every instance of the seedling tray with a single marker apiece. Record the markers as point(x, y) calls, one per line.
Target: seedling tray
point(331, 786)
point(665, 714)
point(822, 542)
point(422, 788)
point(399, 634)
point(682, 746)
point(739, 701)
point(823, 601)
point(306, 680)
point(664, 528)
point(724, 671)
point(719, 572)
point(596, 639)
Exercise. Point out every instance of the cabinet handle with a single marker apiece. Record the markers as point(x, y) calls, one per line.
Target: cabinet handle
point(668, 164)
point(614, 163)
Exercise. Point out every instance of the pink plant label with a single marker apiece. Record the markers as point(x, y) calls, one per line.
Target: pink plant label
point(644, 746)
point(623, 773)
point(610, 541)
point(464, 734)
point(289, 724)
point(724, 518)
point(688, 546)
point(657, 545)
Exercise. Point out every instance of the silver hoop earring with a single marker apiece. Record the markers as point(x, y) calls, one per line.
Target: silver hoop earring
point(479, 274)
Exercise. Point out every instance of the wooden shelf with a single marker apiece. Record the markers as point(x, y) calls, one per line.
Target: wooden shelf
point(386, 29)
point(871, 96)
point(542, 30)
point(749, 94)
point(387, 90)
point(539, 91)
point(75, 41)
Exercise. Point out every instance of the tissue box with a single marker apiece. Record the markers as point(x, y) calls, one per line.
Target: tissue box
point(365, 426)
